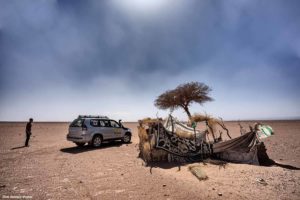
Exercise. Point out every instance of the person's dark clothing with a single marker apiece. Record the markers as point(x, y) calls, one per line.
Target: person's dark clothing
point(28, 133)
point(27, 139)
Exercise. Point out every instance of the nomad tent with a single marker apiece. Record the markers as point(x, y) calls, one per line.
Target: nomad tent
point(174, 141)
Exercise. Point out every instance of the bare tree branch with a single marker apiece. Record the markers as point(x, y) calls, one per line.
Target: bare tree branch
point(242, 130)
point(221, 123)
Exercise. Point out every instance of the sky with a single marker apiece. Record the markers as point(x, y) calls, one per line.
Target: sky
point(62, 58)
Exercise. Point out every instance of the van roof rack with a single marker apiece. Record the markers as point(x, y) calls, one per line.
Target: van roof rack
point(93, 116)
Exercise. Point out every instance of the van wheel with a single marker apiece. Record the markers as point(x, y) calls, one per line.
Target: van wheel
point(97, 141)
point(126, 138)
point(79, 144)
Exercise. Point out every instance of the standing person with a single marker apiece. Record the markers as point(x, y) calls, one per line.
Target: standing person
point(28, 131)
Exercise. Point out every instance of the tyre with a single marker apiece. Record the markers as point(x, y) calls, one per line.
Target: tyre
point(97, 141)
point(126, 138)
point(79, 144)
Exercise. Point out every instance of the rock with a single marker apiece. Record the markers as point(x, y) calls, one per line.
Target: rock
point(213, 188)
point(198, 172)
point(164, 185)
point(261, 181)
point(220, 194)
point(2, 186)
point(80, 182)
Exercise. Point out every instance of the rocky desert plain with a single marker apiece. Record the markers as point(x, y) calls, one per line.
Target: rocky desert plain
point(54, 168)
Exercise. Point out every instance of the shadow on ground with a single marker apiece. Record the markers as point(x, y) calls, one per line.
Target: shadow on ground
point(164, 165)
point(169, 165)
point(86, 148)
point(271, 163)
point(20, 147)
point(220, 163)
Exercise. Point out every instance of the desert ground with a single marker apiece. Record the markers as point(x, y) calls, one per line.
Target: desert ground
point(53, 168)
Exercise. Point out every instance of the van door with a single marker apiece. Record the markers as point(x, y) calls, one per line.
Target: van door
point(117, 129)
point(106, 129)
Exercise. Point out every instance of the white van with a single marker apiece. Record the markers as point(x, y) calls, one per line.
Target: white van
point(96, 129)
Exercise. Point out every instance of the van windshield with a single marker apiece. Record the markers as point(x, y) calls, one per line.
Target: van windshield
point(77, 123)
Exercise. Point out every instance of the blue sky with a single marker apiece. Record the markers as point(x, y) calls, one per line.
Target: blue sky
point(61, 58)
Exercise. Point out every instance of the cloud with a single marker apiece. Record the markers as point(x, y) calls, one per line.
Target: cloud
point(243, 45)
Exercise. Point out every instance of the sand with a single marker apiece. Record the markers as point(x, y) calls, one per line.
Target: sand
point(53, 168)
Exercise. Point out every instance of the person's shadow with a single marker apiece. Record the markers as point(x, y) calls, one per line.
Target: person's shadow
point(20, 147)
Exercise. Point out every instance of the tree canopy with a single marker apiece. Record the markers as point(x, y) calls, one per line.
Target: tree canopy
point(183, 96)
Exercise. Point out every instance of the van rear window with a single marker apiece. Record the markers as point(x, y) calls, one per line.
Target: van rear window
point(77, 123)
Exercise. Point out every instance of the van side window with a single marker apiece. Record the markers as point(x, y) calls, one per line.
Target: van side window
point(101, 123)
point(114, 124)
point(105, 123)
point(94, 122)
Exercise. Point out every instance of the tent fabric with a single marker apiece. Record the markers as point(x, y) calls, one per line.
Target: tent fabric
point(186, 147)
point(240, 144)
point(245, 149)
point(264, 131)
point(173, 125)
point(250, 157)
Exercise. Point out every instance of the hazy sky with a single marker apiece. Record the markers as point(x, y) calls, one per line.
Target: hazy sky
point(61, 58)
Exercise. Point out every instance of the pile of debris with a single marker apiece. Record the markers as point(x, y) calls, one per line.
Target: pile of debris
point(173, 141)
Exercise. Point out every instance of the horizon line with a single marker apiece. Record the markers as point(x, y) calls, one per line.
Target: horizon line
point(235, 120)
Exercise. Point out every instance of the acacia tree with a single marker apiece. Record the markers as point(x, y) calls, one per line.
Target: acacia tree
point(183, 96)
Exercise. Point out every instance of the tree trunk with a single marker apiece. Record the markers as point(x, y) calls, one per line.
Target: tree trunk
point(186, 109)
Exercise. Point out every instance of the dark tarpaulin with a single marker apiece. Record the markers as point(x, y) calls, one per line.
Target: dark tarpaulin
point(243, 143)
